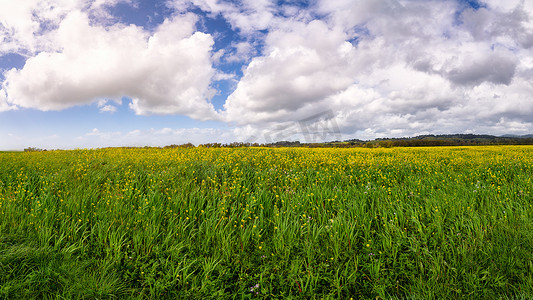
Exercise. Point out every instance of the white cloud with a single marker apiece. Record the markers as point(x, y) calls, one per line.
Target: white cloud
point(497, 67)
point(4, 106)
point(219, 76)
point(180, 6)
point(302, 66)
point(243, 51)
point(413, 69)
point(167, 72)
point(509, 27)
point(97, 4)
point(21, 21)
point(105, 107)
point(24, 24)
point(246, 16)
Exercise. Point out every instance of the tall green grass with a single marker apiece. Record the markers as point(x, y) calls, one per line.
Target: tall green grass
point(267, 223)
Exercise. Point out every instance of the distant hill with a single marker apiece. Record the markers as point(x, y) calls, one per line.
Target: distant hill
point(445, 140)
point(417, 141)
point(518, 136)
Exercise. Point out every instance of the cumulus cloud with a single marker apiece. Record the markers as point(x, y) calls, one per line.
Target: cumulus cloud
point(242, 51)
point(303, 65)
point(105, 107)
point(167, 72)
point(511, 27)
point(24, 24)
point(391, 68)
point(4, 106)
point(248, 17)
point(495, 67)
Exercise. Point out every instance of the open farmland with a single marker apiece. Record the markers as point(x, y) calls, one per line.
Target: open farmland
point(451, 222)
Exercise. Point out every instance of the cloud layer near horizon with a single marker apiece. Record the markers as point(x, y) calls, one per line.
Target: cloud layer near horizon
point(383, 68)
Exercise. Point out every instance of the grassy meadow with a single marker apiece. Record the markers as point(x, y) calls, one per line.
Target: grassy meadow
point(264, 223)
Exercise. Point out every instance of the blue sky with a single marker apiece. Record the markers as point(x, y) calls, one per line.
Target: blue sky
point(98, 73)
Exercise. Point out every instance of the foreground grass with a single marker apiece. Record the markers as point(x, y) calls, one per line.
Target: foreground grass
point(267, 223)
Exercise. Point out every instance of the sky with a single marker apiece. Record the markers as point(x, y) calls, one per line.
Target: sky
point(105, 73)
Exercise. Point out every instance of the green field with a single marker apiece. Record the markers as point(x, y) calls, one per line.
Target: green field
point(252, 223)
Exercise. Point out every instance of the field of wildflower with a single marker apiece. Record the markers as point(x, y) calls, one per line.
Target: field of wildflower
point(252, 223)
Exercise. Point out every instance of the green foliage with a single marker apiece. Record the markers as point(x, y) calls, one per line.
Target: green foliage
point(425, 223)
